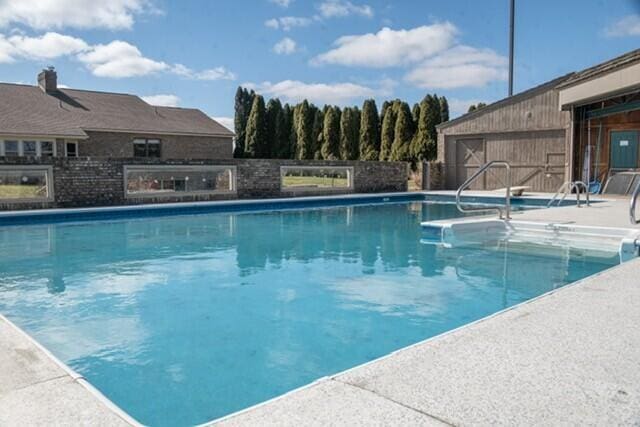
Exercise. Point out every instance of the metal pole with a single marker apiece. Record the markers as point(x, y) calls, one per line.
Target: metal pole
point(511, 30)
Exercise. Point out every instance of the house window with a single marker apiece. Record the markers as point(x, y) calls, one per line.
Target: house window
point(29, 148)
point(46, 149)
point(71, 149)
point(146, 147)
point(158, 181)
point(11, 148)
point(26, 148)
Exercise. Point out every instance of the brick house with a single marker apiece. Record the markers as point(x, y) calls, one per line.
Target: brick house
point(47, 120)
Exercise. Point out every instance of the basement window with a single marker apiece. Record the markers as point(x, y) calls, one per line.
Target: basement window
point(159, 181)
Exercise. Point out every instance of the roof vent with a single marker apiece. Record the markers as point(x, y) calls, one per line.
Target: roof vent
point(48, 80)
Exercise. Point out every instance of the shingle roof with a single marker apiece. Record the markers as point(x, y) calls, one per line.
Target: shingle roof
point(27, 110)
point(605, 67)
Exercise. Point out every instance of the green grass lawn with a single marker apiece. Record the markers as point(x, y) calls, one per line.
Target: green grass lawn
point(21, 191)
point(314, 181)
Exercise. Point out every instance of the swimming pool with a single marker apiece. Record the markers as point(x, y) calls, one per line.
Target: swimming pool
point(182, 319)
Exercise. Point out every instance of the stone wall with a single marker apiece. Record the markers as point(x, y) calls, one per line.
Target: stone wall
point(120, 144)
point(95, 181)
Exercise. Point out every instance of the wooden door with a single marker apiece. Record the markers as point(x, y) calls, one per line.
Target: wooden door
point(624, 149)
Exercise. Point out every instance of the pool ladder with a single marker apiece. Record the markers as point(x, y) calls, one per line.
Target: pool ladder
point(567, 187)
point(503, 212)
point(632, 206)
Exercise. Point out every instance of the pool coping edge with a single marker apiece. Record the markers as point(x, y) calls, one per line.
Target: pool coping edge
point(75, 376)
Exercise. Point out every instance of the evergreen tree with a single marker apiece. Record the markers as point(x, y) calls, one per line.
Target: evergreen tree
point(383, 110)
point(331, 134)
point(475, 107)
point(288, 143)
point(305, 145)
point(256, 135)
point(349, 133)
point(273, 114)
point(415, 114)
point(282, 132)
point(434, 117)
point(316, 132)
point(387, 132)
point(400, 150)
point(369, 133)
point(424, 146)
point(293, 138)
point(420, 141)
point(444, 109)
point(242, 105)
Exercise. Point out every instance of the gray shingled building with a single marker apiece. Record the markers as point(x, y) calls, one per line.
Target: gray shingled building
point(47, 120)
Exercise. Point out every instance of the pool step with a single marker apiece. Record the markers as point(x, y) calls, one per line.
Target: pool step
point(492, 232)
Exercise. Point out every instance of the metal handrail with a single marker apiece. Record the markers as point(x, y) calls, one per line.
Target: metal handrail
point(561, 188)
point(632, 207)
point(577, 185)
point(500, 209)
point(568, 187)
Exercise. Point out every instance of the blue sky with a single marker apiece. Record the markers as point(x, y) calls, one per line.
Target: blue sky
point(194, 53)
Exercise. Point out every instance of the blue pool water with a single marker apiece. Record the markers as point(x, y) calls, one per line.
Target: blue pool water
point(183, 319)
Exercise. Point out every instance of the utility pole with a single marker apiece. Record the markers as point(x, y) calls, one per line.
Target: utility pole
point(511, 25)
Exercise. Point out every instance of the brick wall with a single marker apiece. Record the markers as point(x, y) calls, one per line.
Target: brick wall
point(119, 144)
point(95, 181)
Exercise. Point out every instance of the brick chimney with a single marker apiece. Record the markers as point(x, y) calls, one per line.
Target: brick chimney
point(48, 80)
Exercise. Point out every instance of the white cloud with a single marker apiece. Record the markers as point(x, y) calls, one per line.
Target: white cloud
point(286, 46)
point(461, 66)
point(458, 107)
point(117, 59)
point(225, 121)
point(47, 46)
point(7, 51)
point(46, 14)
point(286, 23)
point(341, 8)
point(282, 3)
point(217, 73)
point(321, 93)
point(627, 26)
point(120, 59)
point(164, 100)
point(389, 48)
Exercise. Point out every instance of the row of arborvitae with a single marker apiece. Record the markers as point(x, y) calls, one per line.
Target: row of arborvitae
point(306, 132)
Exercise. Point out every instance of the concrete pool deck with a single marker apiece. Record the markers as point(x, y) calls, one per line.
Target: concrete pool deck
point(37, 390)
point(569, 357)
